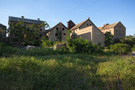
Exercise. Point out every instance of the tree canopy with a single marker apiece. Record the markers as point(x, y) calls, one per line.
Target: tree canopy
point(108, 39)
point(22, 33)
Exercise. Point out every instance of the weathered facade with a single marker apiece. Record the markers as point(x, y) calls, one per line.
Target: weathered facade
point(28, 22)
point(57, 33)
point(2, 30)
point(88, 30)
point(118, 30)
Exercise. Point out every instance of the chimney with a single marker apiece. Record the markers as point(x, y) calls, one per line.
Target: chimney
point(89, 18)
point(38, 19)
point(106, 25)
point(22, 17)
point(70, 24)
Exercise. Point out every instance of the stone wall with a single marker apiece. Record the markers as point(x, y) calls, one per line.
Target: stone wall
point(53, 34)
point(91, 33)
point(97, 36)
point(119, 31)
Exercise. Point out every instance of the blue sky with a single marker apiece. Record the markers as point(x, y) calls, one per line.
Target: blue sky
point(55, 11)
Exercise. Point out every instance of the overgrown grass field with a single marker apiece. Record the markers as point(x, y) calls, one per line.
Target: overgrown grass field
point(46, 69)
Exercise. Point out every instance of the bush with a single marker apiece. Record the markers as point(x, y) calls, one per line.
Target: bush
point(120, 48)
point(133, 48)
point(6, 50)
point(33, 43)
point(80, 45)
point(46, 42)
point(1, 47)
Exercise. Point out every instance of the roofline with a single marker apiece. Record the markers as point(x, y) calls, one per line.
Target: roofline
point(27, 23)
point(56, 25)
point(96, 27)
point(122, 24)
point(111, 27)
point(3, 25)
point(92, 23)
point(79, 23)
point(85, 21)
point(24, 18)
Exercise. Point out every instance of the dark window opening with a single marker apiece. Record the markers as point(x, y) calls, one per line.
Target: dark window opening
point(57, 28)
point(40, 35)
point(99, 43)
point(87, 24)
point(40, 29)
point(56, 34)
point(63, 29)
point(64, 34)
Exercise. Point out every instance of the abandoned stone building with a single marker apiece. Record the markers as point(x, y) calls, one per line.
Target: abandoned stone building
point(86, 30)
point(117, 29)
point(28, 22)
point(57, 33)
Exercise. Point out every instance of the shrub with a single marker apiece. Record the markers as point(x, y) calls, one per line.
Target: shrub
point(6, 50)
point(46, 42)
point(133, 48)
point(33, 43)
point(120, 48)
point(1, 47)
point(80, 45)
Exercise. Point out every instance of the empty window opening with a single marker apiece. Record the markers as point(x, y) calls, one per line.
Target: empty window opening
point(56, 34)
point(57, 28)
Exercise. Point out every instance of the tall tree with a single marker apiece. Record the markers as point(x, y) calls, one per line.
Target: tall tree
point(21, 33)
point(130, 39)
point(108, 39)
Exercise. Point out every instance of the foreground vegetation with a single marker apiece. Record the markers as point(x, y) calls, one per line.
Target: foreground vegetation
point(48, 69)
point(78, 65)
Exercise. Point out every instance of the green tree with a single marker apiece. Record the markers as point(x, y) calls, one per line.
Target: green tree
point(130, 39)
point(120, 48)
point(108, 39)
point(21, 33)
point(32, 33)
point(17, 32)
point(45, 24)
point(133, 48)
